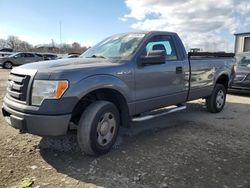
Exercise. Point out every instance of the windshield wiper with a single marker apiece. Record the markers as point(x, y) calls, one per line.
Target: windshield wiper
point(97, 56)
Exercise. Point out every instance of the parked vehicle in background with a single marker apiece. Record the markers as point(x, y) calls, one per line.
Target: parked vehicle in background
point(242, 76)
point(6, 50)
point(19, 58)
point(69, 55)
point(47, 57)
point(74, 53)
point(73, 56)
point(5, 54)
point(40, 55)
point(126, 77)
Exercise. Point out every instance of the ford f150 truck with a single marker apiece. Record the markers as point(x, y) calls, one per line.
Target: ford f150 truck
point(126, 77)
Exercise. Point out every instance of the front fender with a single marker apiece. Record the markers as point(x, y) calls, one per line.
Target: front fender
point(222, 73)
point(91, 83)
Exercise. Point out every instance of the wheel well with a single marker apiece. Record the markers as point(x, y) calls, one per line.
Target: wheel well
point(223, 79)
point(110, 95)
point(8, 61)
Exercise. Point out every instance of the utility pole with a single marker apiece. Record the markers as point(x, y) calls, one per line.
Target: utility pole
point(60, 28)
point(60, 24)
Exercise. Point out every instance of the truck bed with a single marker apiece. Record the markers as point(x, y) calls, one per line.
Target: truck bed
point(203, 67)
point(210, 55)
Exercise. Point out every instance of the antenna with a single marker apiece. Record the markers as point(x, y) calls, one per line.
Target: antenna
point(60, 24)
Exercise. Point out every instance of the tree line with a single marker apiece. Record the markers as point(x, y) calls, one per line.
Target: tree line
point(18, 45)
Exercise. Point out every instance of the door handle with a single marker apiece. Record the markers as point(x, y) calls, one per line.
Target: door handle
point(178, 70)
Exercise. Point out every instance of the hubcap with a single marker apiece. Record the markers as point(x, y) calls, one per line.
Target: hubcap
point(106, 129)
point(220, 99)
point(8, 65)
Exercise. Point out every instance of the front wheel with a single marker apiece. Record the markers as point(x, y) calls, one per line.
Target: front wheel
point(8, 65)
point(215, 102)
point(98, 128)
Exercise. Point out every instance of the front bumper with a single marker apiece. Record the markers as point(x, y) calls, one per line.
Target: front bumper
point(42, 125)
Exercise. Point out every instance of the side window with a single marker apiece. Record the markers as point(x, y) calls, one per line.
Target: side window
point(162, 43)
point(39, 55)
point(29, 55)
point(19, 55)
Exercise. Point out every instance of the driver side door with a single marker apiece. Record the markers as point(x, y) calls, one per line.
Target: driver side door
point(19, 59)
point(29, 57)
point(159, 85)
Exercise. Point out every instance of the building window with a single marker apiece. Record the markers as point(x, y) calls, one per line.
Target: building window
point(247, 44)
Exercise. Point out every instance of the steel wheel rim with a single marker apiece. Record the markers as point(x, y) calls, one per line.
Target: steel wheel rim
point(220, 99)
point(106, 129)
point(8, 65)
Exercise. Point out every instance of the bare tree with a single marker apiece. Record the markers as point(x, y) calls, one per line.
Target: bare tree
point(13, 42)
point(18, 45)
point(65, 48)
point(76, 47)
point(3, 43)
point(24, 46)
point(84, 48)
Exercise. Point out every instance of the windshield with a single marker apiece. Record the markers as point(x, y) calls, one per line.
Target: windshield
point(115, 47)
point(243, 59)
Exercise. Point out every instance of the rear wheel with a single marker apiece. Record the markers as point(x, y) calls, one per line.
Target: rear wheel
point(215, 103)
point(7, 65)
point(98, 128)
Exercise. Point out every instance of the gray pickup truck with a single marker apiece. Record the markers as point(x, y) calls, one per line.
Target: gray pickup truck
point(126, 77)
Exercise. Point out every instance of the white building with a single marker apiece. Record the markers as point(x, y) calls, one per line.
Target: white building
point(242, 42)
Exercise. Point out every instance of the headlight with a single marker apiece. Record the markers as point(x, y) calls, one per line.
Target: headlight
point(48, 89)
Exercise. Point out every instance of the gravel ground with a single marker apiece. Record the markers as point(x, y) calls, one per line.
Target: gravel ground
point(192, 148)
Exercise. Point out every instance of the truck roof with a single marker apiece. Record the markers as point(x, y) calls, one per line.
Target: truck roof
point(151, 32)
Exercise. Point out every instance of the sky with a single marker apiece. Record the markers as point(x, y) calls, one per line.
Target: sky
point(209, 24)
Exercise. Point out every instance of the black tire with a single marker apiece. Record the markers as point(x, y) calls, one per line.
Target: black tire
point(215, 102)
point(8, 65)
point(90, 132)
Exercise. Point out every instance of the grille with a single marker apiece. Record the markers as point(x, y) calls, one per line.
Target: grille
point(18, 86)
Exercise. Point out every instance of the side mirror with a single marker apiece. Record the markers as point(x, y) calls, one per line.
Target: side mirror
point(153, 57)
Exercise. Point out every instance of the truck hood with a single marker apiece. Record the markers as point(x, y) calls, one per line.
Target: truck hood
point(73, 69)
point(68, 64)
